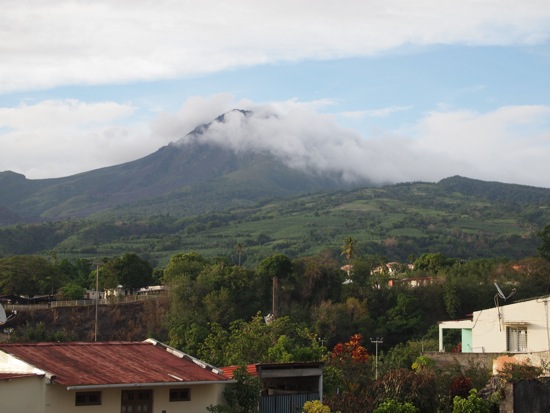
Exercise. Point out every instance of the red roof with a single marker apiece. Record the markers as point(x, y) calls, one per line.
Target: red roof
point(109, 363)
point(10, 376)
point(229, 371)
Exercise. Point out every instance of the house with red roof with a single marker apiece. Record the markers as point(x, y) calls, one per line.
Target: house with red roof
point(127, 377)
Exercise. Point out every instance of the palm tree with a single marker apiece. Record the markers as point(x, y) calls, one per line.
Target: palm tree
point(348, 249)
point(240, 249)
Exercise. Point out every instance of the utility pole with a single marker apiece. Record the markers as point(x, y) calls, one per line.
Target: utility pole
point(376, 341)
point(275, 298)
point(96, 296)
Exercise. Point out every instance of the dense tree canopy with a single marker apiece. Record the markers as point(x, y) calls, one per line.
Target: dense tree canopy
point(129, 271)
point(28, 275)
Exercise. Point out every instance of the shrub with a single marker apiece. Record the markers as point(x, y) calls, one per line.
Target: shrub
point(473, 404)
point(393, 406)
point(514, 372)
point(315, 406)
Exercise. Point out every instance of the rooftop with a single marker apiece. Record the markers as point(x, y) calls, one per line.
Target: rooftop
point(114, 363)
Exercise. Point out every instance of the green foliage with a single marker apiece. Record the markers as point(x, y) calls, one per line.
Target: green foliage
point(189, 264)
point(432, 262)
point(278, 265)
point(257, 341)
point(315, 406)
point(472, 404)
point(405, 385)
point(403, 355)
point(397, 221)
point(38, 332)
point(129, 270)
point(72, 291)
point(544, 247)
point(422, 363)
point(393, 406)
point(29, 275)
point(514, 372)
point(348, 249)
point(243, 396)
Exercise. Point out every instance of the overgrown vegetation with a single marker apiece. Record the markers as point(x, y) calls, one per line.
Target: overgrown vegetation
point(456, 217)
point(256, 302)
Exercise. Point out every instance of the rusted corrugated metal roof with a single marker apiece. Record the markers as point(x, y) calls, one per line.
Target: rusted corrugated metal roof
point(11, 376)
point(229, 371)
point(112, 363)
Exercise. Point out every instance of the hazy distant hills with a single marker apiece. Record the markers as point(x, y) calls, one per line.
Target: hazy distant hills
point(187, 177)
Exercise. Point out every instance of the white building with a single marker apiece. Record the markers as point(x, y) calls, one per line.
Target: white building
point(521, 327)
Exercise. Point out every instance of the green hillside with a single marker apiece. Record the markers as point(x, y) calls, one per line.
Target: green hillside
point(458, 217)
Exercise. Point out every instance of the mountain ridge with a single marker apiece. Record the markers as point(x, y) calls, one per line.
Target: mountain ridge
point(194, 176)
point(177, 168)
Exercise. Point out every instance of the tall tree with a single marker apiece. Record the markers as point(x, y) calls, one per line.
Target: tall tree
point(348, 249)
point(544, 248)
point(129, 270)
point(275, 267)
point(239, 249)
point(29, 275)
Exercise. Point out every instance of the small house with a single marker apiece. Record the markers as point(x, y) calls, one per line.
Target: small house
point(102, 377)
point(520, 327)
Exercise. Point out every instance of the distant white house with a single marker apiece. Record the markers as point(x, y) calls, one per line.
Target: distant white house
point(94, 295)
point(153, 290)
point(119, 291)
point(521, 327)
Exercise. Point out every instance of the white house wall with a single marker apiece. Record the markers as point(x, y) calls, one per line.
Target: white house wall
point(489, 330)
point(59, 399)
point(22, 395)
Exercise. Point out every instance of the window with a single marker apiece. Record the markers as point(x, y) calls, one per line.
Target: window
point(180, 395)
point(137, 401)
point(87, 398)
point(516, 338)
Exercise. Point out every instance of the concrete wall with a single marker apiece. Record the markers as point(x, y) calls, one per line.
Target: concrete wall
point(22, 395)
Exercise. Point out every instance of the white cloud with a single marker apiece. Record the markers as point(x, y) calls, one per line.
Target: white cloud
point(58, 138)
point(510, 144)
point(46, 44)
point(374, 113)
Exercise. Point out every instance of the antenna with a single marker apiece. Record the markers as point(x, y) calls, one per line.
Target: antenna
point(504, 297)
point(501, 294)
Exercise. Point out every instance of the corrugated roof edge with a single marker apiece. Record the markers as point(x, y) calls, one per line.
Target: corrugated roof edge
point(181, 354)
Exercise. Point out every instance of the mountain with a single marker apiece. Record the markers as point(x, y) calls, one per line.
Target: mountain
point(187, 177)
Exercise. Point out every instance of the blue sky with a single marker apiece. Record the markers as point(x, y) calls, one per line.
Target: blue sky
point(390, 90)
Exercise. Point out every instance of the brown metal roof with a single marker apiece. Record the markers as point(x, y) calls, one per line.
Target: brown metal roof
point(11, 376)
point(113, 363)
point(229, 371)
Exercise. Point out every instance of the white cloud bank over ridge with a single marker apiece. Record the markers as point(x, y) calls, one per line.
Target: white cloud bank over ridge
point(510, 144)
point(59, 42)
point(501, 145)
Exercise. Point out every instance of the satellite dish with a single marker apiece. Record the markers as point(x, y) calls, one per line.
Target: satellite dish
point(501, 294)
point(3, 317)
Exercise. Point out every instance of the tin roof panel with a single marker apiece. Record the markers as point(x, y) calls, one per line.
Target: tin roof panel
point(111, 363)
